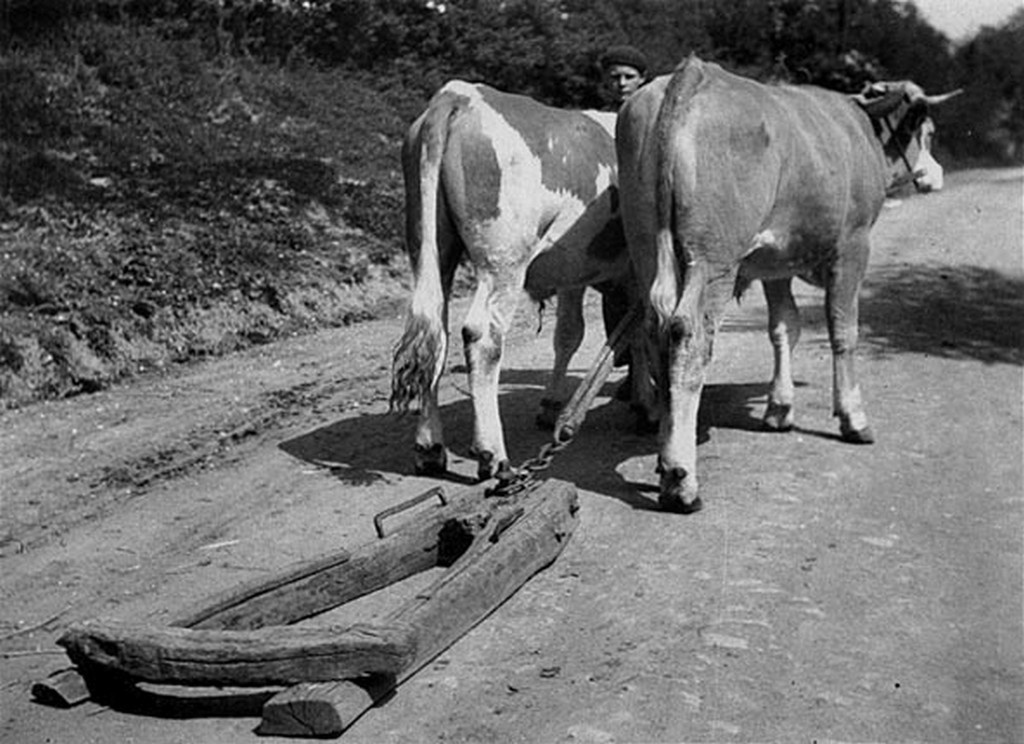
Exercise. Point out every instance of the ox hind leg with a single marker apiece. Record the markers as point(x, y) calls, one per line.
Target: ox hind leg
point(691, 331)
point(569, 331)
point(431, 454)
point(841, 312)
point(422, 352)
point(784, 333)
point(483, 334)
point(643, 372)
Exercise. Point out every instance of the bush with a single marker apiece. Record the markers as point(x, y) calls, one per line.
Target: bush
point(185, 177)
point(159, 206)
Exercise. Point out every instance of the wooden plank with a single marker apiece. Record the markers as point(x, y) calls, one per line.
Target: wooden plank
point(364, 571)
point(500, 561)
point(277, 655)
point(509, 540)
point(318, 709)
point(569, 421)
point(224, 610)
point(521, 539)
point(62, 689)
point(308, 588)
point(302, 589)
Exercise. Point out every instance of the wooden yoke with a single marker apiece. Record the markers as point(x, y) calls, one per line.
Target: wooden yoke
point(491, 545)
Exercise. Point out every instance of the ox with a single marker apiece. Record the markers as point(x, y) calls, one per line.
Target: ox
point(725, 181)
point(503, 180)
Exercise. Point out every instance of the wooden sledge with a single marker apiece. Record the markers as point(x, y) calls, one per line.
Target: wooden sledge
point(246, 637)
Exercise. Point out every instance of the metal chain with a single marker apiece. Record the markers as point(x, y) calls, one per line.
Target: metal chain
point(515, 480)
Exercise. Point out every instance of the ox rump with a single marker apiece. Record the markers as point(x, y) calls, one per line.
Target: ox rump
point(511, 185)
point(725, 181)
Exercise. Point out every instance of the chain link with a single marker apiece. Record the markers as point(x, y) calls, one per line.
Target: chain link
point(516, 480)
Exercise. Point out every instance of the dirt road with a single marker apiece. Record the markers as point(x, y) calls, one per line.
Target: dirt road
point(826, 592)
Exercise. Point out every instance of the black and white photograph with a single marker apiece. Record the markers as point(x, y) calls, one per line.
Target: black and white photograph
point(512, 371)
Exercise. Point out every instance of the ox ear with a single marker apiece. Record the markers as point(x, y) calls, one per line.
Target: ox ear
point(879, 99)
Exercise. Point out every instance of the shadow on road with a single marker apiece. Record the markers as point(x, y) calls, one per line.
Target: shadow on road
point(367, 449)
point(164, 701)
point(958, 312)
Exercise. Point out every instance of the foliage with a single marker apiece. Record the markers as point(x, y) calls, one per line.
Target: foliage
point(990, 118)
point(184, 177)
point(549, 48)
point(159, 205)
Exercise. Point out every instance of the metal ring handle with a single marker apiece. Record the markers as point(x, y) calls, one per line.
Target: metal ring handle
point(378, 520)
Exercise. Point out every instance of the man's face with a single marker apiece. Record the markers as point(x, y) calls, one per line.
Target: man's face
point(623, 81)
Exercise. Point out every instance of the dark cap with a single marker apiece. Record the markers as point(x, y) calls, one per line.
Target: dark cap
point(625, 55)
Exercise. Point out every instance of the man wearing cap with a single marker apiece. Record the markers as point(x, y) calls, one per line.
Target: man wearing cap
point(625, 70)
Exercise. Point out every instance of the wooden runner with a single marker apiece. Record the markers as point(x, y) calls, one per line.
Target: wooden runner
point(245, 638)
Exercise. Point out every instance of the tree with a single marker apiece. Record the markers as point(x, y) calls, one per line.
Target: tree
point(988, 119)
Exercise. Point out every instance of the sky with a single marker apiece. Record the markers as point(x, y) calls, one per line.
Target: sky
point(959, 18)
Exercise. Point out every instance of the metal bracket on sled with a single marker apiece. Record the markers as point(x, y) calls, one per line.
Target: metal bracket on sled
point(246, 637)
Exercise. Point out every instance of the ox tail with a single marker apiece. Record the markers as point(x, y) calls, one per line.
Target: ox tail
point(671, 212)
point(419, 357)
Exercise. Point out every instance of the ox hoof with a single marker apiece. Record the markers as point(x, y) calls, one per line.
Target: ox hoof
point(857, 436)
point(677, 505)
point(431, 460)
point(488, 466)
point(548, 416)
point(778, 418)
point(678, 492)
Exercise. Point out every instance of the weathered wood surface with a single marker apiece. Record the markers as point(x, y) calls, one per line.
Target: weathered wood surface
point(500, 544)
point(301, 589)
point(308, 588)
point(62, 689)
point(278, 655)
point(520, 540)
point(304, 588)
point(570, 420)
point(322, 709)
point(262, 601)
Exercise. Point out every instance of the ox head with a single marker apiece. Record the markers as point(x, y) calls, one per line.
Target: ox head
point(899, 113)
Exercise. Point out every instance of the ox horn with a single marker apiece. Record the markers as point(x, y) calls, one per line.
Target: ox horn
point(942, 98)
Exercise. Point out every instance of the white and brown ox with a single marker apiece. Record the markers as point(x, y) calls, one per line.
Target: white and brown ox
point(723, 181)
point(501, 179)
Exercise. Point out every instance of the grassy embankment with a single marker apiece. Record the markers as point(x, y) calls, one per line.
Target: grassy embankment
point(157, 207)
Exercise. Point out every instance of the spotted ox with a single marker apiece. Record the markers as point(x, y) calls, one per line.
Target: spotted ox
point(725, 181)
point(502, 180)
